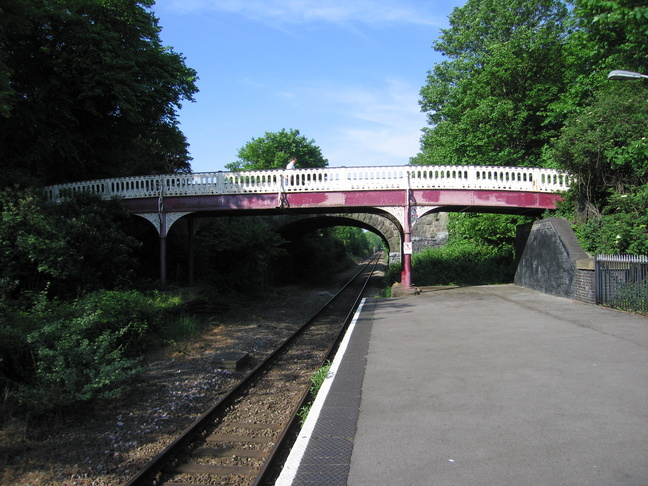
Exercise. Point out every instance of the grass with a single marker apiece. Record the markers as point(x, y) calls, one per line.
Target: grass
point(316, 383)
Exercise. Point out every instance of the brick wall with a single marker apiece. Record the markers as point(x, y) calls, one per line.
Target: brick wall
point(584, 286)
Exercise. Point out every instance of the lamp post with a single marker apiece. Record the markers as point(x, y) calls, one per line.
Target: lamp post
point(619, 74)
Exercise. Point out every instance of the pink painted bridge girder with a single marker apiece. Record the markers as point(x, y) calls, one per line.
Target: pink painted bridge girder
point(471, 198)
point(445, 199)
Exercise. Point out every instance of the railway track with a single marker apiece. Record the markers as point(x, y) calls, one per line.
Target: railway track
point(237, 440)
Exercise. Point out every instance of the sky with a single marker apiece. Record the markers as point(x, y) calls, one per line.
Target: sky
point(345, 73)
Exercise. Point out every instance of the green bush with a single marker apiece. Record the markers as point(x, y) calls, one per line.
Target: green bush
point(460, 262)
point(75, 361)
point(236, 254)
point(317, 380)
point(89, 348)
point(64, 248)
point(620, 228)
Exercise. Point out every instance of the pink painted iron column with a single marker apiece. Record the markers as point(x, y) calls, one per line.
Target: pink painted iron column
point(163, 248)
point(406, 275)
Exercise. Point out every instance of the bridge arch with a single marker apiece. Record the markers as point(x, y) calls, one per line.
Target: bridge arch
point(291, 226)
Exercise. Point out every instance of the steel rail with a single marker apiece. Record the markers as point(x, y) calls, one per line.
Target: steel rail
point(281, 441)
point(147, 474)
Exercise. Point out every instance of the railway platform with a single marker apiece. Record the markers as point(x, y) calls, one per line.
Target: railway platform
point(488, 385)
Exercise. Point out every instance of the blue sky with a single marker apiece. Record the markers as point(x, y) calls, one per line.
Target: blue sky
point(345, 73)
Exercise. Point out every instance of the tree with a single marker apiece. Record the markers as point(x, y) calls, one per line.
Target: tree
point(91, 92)
point(603, 138)
point(62, 249)
point(606, 35)
point(604, 144)
point(274, 150)
point(486, 105)
point(13, 21)
point(354, 239)
point(237, 254)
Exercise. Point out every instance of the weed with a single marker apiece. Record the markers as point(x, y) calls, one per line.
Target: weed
point(316, 383)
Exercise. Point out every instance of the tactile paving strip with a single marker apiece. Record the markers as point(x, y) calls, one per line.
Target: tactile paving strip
point(327, 458)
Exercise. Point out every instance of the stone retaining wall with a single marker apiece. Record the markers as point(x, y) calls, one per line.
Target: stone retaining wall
point(551, 260)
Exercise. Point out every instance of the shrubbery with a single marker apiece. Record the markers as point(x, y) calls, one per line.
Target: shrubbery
point(480, 251)
point(59, 353)
point(464, 263)
point(63, 249)
point(71, 330)
point(621, 228)
point(459, 263)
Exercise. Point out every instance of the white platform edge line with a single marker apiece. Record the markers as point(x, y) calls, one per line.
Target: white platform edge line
point(291, 466)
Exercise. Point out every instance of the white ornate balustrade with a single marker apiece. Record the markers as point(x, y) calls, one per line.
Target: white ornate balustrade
point(325, 180)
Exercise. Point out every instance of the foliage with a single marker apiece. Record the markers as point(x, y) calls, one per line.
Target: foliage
point(355, 240)
point(322, 254)
point(526, 84)
point(623, 226)
point(486, 104)
point(88, 91)
point(63, 249)
point(374, 241)
point(84, 349)
point(603, 140)
point(604, 143)
point(317, 380)
point(607, 35)
point(274, 150)
point(480, 251)
point(496, 230)
point(630, 296)
point(319, 256)
point(237, 254)
point(462, 262)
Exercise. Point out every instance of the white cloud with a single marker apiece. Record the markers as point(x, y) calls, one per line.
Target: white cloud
point(378, 125)
point(291, 12)
point(390, 104)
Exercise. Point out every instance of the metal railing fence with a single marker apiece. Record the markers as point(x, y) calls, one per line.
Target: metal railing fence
point(324, 179)
point(622, 281)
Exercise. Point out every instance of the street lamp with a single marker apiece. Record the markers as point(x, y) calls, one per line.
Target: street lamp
point(626, 75)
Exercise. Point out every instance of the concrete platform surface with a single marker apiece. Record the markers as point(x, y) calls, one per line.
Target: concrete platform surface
point(500, 385)
point(494, 385)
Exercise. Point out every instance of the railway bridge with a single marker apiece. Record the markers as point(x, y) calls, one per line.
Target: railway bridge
point(386, 200)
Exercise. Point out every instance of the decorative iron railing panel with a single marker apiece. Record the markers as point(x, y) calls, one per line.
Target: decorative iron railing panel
point(325, 180)
point(622, 281)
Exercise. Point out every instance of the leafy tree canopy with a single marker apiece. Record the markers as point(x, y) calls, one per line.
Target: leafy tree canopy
point(485, 105)
point(274, 150)
point(603, 140)
point(605, 143)
point(526, 84)
point(88, 91)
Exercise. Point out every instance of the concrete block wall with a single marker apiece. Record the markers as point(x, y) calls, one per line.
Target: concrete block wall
point(551, 260)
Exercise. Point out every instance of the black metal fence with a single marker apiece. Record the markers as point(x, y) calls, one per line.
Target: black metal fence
point(622, 281)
